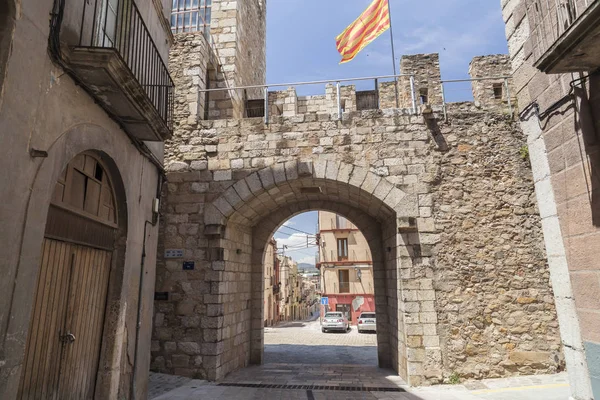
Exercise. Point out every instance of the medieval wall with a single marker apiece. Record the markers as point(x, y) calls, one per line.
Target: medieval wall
point(495, 307)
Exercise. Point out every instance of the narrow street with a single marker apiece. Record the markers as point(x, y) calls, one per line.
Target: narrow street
point(303, 363)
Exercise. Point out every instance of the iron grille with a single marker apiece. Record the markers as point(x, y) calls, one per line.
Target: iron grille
point(255, 108)
point(367, 100)
point(315, 387)
point(118, 25)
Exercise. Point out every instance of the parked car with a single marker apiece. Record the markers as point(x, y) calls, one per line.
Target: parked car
point(335, 321)
point(367, 322)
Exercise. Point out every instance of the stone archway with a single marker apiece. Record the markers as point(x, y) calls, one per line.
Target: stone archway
point(240, 222)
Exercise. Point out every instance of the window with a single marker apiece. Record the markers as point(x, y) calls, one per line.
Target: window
point(498, 91)
point(568, 13)
point(423, 95)
point(342, 249)
point(344, 280)
point(107, 28)
point(191, 16)
point(84, 186)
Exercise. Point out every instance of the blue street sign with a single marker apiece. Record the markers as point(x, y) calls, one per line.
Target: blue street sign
point(325, 301)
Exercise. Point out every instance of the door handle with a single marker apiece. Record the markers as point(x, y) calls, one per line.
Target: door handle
point(67, 338)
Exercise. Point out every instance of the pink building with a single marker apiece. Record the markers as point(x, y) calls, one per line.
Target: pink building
point(346, 267)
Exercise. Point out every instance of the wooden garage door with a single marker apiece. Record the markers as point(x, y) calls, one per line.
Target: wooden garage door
point(65, 336)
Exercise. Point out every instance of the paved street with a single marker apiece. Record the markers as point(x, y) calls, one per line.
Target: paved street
point(303, 363)
point(304, 343)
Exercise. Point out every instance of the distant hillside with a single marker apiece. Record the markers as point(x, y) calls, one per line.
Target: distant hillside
point(307, 267)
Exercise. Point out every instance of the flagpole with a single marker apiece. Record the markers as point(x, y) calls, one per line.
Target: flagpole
point(393, 54)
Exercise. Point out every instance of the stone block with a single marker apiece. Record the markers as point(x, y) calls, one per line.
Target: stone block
point(535, 358)
point(189, 348)
point(180, 360)
point(222, 175)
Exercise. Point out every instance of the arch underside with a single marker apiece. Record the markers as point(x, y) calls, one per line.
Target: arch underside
point(250, 215)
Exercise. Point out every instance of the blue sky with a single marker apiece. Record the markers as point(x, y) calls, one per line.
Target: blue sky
point(301, 38)
point(294, 233)
point(301, 47)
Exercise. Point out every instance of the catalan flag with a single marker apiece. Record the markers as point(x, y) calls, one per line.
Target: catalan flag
point(372, 22)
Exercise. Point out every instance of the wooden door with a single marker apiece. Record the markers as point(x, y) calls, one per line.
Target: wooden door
point(65, 336)
point(344, 280)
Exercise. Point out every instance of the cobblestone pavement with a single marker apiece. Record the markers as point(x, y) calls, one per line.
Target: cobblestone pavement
point(307, 364)
point(304, 343)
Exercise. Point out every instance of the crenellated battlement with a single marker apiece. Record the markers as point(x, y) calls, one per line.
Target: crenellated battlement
point(206, 92)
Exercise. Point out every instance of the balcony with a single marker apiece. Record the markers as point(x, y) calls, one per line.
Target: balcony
point(577, 44)
point(118, 63)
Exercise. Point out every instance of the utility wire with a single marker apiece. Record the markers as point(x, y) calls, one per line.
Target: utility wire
point(304, 249)
point(290, 234)
point(298, 230)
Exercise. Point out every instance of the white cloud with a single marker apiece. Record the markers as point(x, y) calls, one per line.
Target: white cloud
point(297, 249)
point(294, 241)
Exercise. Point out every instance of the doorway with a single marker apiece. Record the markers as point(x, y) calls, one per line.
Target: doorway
point(65, 335)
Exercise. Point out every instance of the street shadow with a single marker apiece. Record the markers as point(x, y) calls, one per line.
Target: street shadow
point(288, 325)
point(319, 354)
point(436, 134)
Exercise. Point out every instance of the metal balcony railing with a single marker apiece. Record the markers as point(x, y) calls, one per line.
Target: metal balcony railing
point(344, 287)
point(118, 25)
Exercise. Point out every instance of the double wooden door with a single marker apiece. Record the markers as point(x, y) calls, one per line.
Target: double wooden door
point(65, 335)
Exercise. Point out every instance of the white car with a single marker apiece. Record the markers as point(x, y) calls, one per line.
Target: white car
point(367, 322)
point(335, 321)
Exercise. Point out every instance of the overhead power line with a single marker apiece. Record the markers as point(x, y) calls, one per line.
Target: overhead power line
point(294, 229)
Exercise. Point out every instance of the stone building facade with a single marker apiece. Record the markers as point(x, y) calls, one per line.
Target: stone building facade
point(288, 304)
point(554, 52)
point(346, 267)
point(271, 306)
point(80, 184)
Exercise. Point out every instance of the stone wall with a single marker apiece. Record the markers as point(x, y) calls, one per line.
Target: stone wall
point(495, 300)
point(238, 30)
point(471, 275)
point(251, 64)
point(188, 66)
point(492, 93)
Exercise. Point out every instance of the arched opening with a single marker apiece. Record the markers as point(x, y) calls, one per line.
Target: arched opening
point(318, 276)
point(81, 261)
point(7, 23)
point(242, 221)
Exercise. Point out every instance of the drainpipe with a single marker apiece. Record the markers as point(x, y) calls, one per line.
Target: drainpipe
point(138, 324)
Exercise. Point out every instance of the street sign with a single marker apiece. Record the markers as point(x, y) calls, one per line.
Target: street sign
point(174, 253)
point(189, 265)
point(325, 301)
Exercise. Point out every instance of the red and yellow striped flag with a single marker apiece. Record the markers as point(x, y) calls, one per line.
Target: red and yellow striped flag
point(372, 22)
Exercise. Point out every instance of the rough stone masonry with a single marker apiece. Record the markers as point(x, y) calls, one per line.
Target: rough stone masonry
point(461, 282)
